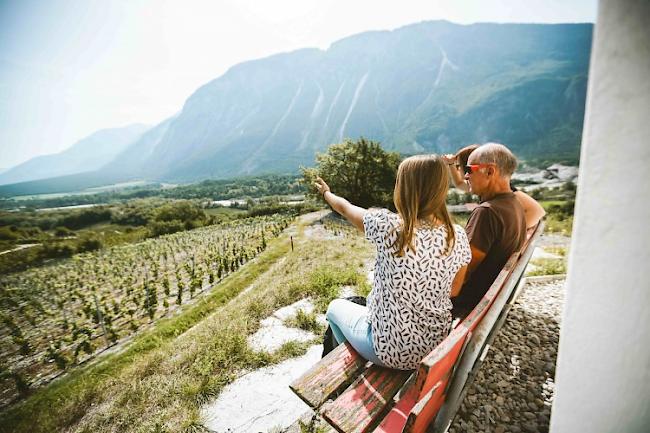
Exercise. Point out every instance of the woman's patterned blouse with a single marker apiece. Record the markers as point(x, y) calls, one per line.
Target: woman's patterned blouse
point(409, 308)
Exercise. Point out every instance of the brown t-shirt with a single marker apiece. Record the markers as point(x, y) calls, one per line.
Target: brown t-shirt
point(498, 228)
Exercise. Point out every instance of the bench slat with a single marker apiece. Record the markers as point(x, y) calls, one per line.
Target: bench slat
point(357, 409)
point(396, 418)
point(310, 422)
point(338, 368)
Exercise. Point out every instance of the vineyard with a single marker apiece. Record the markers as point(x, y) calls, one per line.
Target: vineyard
point(58, 316)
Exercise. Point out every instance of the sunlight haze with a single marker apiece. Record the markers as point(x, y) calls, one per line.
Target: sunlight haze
point(70, 68)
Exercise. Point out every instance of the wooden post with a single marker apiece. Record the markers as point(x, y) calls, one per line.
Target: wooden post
point(291, 242)
point(101, 320)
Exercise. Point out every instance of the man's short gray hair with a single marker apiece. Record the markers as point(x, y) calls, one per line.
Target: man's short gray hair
point(497, 154)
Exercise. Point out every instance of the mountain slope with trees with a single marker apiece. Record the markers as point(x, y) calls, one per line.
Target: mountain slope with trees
point(428, 87)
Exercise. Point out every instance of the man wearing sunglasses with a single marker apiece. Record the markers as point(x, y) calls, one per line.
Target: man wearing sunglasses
point(496, 228)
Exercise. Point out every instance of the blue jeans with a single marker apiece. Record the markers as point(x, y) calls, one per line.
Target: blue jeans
point(349, 322)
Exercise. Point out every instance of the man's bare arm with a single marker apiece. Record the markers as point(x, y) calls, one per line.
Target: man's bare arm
point(477, 258)
point(459, 279)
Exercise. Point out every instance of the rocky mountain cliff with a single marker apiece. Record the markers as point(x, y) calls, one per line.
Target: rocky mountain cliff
point(427, 87)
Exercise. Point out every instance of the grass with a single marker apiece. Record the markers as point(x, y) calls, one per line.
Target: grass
point(547, 267)
point(228, 211)
point(305, 321)
point(159, 382)
point(558, 251)
point(559, 224)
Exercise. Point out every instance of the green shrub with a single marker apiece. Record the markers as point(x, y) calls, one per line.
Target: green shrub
point(158, 228)
point(8, 233)
point(132, 215)
point(90, 243)
point(85, 218)
point(61, 232)
point(179, 210)
point(57, 250)
point(361, 171)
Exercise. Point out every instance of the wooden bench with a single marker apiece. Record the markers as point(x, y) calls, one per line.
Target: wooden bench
point(353, 395)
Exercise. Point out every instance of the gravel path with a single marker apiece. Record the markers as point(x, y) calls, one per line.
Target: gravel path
point(514, 387)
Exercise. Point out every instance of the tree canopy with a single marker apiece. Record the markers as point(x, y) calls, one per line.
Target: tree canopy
point(361, 171)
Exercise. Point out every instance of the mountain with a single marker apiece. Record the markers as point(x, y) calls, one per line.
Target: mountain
point(88, 154)
point(129, 162)
point(427, 87)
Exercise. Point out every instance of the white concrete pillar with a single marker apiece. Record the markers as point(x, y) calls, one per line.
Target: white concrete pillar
point(603, 373)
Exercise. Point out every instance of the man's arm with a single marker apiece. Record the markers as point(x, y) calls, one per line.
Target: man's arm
point(459, 279)
point(533, 211)
point(477, 258)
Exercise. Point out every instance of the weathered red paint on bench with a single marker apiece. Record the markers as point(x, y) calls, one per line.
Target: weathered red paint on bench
point(340, 366)
point(432, 379)
point(357, 409)
point(359, 406)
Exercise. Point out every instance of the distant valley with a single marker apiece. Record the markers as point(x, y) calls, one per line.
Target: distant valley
point(90, 153)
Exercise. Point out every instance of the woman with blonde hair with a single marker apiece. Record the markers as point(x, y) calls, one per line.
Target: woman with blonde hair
point(421, 262)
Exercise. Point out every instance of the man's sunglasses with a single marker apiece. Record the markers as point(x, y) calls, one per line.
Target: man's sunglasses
point(471, 168)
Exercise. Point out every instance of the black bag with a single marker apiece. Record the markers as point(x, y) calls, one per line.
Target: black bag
point(329, 342)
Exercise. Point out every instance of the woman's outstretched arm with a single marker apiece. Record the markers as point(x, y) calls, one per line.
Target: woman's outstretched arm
point(354, 214)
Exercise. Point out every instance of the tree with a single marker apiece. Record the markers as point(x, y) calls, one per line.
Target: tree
point(360, 171)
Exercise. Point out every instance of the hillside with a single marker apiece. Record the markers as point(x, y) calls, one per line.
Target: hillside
point(427, 87)
point(87, 154)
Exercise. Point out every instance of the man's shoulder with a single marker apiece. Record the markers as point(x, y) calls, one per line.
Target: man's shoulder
point(483, 209)
point(499, 203)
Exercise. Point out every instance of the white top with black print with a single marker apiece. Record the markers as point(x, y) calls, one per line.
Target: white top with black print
point(409, 309)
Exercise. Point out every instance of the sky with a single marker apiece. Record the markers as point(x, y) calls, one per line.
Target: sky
point(69, 68)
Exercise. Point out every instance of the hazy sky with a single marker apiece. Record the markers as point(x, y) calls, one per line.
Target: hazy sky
point(70, 68)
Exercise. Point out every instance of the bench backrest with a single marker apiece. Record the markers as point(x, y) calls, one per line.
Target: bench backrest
point(418, 405)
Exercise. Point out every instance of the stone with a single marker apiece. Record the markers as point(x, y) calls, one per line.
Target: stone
point(530, 427)
point(517, 376)
point(244, 402)
point(550, 367)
